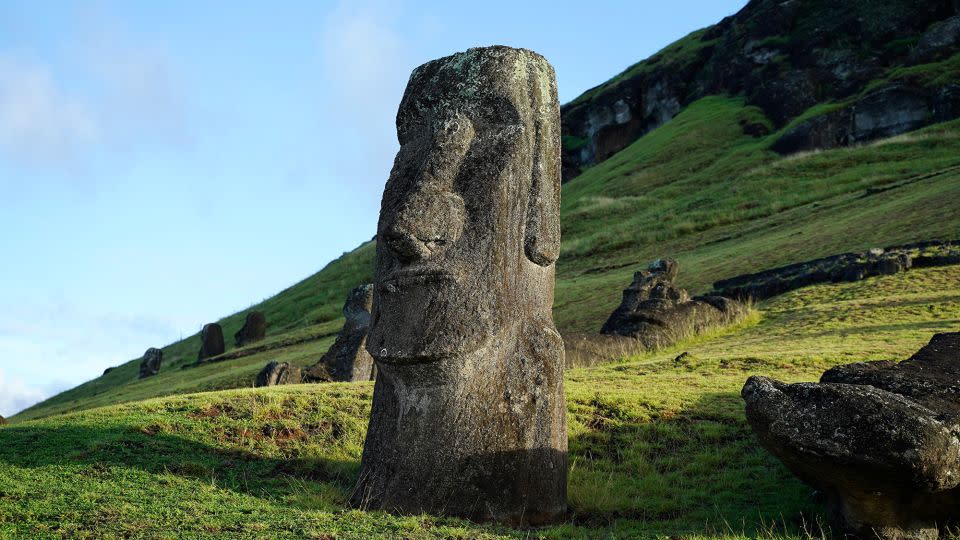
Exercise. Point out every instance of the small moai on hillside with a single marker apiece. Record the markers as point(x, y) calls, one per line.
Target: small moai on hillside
point(211, 341)
point(347, 360)
point(468, 414)
point(150, 363)
point(254, 329)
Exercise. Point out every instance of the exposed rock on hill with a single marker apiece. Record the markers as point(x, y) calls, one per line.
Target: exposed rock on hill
point(254, 329)
point(348, 359)
point(786, 57)
point(211, 342)
point(838, 268)
point(276, 373)
point(879, 439)
point(658, 313)
point(150, 364)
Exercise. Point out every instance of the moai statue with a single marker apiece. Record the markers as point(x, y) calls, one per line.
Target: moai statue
point(211, 342)
point(254, 329)
point(150, 363)
point(468, 414)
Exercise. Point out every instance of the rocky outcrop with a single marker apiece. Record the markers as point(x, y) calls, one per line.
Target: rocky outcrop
point(468, 415)
point(254, 329)
point(150, 363)
point(878, 439)
point(211, 342)
point(347, 360)
point(277, 373)
point(657, 313)
point(783, 57)
point(840, 268)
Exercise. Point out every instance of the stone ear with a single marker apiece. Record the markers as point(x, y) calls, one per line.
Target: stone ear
point(542, 235)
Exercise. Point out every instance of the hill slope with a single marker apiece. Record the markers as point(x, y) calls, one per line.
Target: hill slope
point(696, 189)
point(659, 447)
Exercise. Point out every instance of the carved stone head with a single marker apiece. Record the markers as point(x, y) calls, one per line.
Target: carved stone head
point(469, 227)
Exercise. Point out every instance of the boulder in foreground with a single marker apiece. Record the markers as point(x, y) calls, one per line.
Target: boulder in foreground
point(879, 439)
point(657, 313)
point(277, 373)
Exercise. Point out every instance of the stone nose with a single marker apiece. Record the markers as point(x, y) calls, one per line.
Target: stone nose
point(429, 221)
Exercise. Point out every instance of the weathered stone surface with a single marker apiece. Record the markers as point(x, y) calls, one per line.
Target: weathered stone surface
point(347, 359)
point(840, 268)
point(211, 341)
point(276, 373)
point(254, 329)
point(879, 439)
point(658, 313)
point(149, 364)
point(939, 41)
point(468, 413)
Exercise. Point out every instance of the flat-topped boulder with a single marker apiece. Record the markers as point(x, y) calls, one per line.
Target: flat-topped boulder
point(254, 329)
point(658, 313)
point(211, 342)
point(879, 439)
point(277, 373)
point(347, 359)
point(149, 364)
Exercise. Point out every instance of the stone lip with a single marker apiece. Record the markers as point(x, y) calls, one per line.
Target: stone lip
point(879, 439)
point(150, 364)
point(657, 313)
point(843, 267)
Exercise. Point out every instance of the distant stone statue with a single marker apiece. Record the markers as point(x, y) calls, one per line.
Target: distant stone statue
point(277, 373)
point(468, 414)
point(878, 439)
point(347, 360)
point(211, 341)
point(150, 363)
point(3, 421)
point(254, 329)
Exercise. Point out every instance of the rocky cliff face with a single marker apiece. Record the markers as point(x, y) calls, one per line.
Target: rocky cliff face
point(883, 67)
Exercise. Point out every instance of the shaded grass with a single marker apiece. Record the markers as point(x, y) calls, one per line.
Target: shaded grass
point(658, 447)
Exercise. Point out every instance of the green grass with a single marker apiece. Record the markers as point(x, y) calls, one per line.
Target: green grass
point(657, 447)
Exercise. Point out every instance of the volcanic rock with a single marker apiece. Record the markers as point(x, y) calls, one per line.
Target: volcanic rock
point(468, 414)
point(150, 363)
point(254, 328)
point(348, 359)
point(276, 373)
point(658, 313)
point(878, 439)
point(211, 342)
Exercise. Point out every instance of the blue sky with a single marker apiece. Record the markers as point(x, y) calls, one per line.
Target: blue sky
point(163, 164)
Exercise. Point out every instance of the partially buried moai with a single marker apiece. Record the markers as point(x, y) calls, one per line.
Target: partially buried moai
point(468, 414)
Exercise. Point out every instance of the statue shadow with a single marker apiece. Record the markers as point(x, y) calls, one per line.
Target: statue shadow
point(159, 453)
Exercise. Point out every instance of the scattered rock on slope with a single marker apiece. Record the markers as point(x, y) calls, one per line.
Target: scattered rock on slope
point(150, 363)
point(276, 373)
point(254, 329)
point(838, 268)
point(348, 359)
point(879, 439)
point(658, 313)
point(211, 341)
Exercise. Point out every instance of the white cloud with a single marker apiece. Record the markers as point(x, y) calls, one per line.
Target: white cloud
point(16, 395)
point(39, 121)
point(110, 92)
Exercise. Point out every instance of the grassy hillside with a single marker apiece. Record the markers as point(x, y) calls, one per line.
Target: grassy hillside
point(697, 189)
point(659, 447)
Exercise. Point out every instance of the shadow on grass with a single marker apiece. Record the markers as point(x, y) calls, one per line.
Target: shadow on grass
point(98, 449)
point(695, 471)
